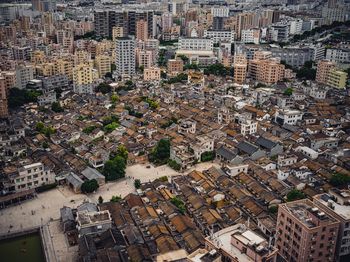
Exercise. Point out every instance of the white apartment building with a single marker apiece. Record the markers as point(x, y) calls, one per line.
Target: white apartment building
point(31, 176)
point(338, 55)
point(318, 52)
point(296, 27)
point(290, 117)
point(221, 11)
point(334, 14)
point(249, 127)
point(125, 56)
point(196, 44)
point(250, 36)
point(220, 35)
point(24, 73)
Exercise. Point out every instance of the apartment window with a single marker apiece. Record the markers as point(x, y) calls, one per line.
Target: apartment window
point(321, 245)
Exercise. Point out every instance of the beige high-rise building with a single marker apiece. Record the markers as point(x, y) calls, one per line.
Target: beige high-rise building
point(141, 30)
point(175, 66)
point(3, 98)
point(268, 71)
point(337, 79)
point(82, 56)
point(46, 69)
point(65, 38)
point(38, 57)
point(306, 233)
point(117, 32)
point(246, 21)
point(324, 67)
point(150, 74)
point(144, 58)
point(240, 72)
point(103, 65)
point(64, 67)
point(83, 78)
point(261, 55)
point(240, 67)
point(10, 78)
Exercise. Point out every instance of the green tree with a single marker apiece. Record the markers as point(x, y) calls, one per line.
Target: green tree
point(295, 194)
point(339, 179)
point(104, 88)
point(89, 186)
point(137, 183)
point(217, 69)
point(39, 126)
point(174, 165)
point(123, 152)
point(89, 129)
point(56, 107)
point(208, 156)
point(100, 200)
point(114, 169)
point(184, 58)
point(110, 127)
point(163, 178)
point(116, 199)
point(273, 209)
point(179, 204)
point(114, 98)
point(19, 97)
point(161, 153)
point(288, 91)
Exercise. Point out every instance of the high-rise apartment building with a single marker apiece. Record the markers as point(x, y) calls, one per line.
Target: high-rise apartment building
point(144, 58)
point(337, 79)
point(240, 69)
point(268, 71)
point(103, 64)
point(167, 22)
point(336, 202)
point(104, 21)
point(64, 67)
point(83, 79)
point(117, 31)
point(251, 36)
point(175, 66)
point(24, 73)
point(3, 98)
point(306, 233)
point(141, 30)
point(44, 5)
point(101, 23)
point(65, 38)
point(324, 67)
point(125, 56)
point(151, 74)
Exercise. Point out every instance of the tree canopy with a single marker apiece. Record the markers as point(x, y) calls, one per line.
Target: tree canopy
point(137, 183)
point(114, 169)
point(339, 179)
point(104, 88)
point(89, 186)
point(295, 194)
point(161, 152)
point(56, 107)
point(19, 97)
